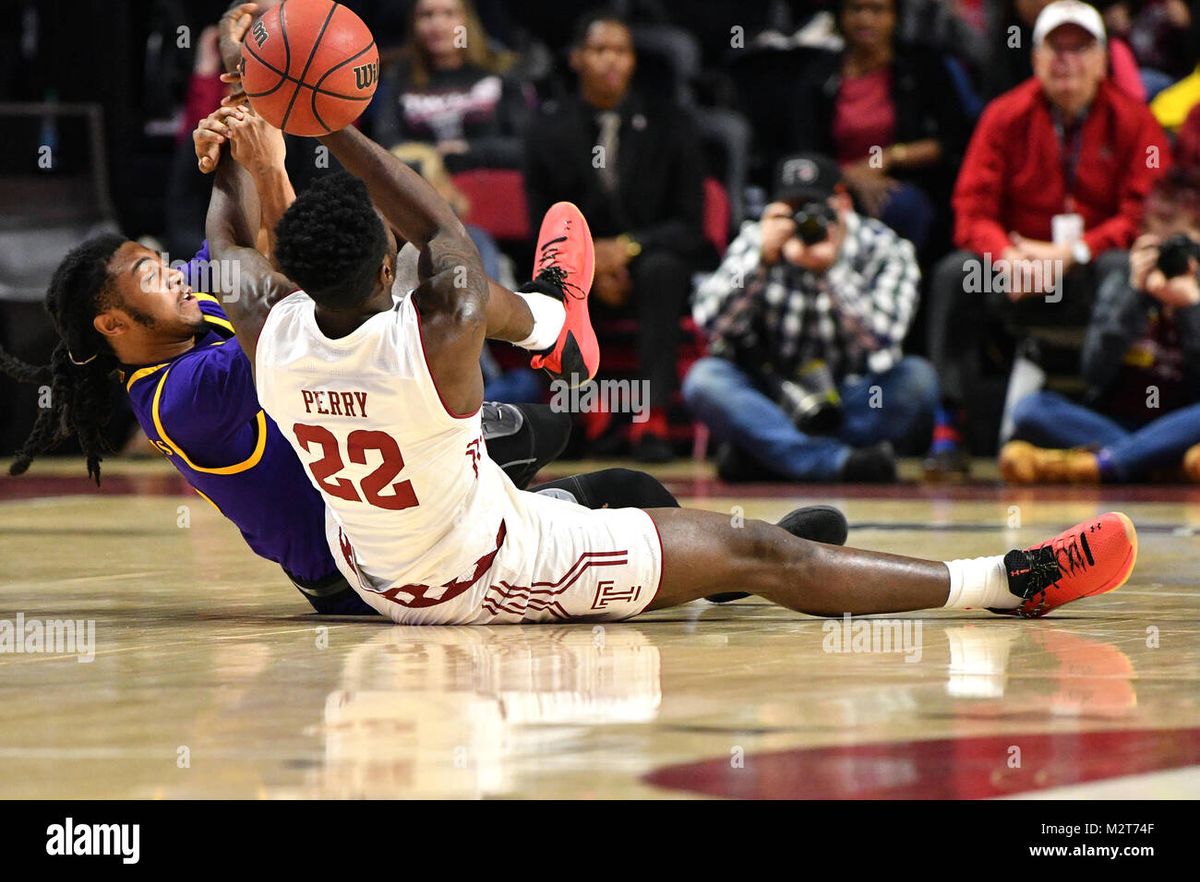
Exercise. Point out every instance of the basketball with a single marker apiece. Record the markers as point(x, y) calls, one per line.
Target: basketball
point(310, 67)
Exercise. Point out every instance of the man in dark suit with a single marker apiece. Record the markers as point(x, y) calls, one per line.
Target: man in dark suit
point(635, 168)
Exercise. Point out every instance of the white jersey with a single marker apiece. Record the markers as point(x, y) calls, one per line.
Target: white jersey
point(401, 474)
point(420, 520)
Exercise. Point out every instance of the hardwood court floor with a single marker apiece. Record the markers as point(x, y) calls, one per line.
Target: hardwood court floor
point(209, 678)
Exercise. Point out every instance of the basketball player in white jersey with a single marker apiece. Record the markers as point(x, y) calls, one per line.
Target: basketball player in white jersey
point(380, 396)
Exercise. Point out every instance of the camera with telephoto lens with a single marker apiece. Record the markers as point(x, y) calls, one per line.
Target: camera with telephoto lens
point(810, 399)
point(1173, 255)
point(813, 220)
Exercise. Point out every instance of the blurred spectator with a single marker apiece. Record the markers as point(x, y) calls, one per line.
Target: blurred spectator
point(1141, 362)
point(951, 26)
point(448, 89)
point(959, 31)
point(1011, 62)
point(1054, 177)
point(635, 168)
point(1158, 32)
point(806, 380)
point(1173, 104)
point(888, 115)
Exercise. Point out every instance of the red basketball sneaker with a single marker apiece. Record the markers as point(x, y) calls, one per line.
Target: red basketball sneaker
point(566, 260)
point(1091, 558)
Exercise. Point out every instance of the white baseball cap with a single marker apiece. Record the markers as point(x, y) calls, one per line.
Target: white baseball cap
point(1065, 12)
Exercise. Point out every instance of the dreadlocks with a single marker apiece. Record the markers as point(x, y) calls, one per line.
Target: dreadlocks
point(80, 369)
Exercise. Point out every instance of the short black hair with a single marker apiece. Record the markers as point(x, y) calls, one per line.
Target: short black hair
point(583, 24)
point(331, 242)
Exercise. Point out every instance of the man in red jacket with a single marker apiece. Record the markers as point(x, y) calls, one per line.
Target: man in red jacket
point(1050, 192)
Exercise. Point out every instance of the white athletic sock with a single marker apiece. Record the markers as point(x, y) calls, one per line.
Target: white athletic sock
point(981, 583)
point(548, 317)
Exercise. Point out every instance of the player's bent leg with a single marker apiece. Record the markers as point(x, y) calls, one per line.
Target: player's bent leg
point(549, 315)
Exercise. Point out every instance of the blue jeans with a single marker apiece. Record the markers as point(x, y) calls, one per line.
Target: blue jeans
point(890, 406)
point(1047, 419)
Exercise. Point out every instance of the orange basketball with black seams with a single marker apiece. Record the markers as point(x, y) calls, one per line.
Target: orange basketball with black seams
point(309, 67)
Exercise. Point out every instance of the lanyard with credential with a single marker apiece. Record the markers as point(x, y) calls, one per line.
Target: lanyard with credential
point(1070, 145)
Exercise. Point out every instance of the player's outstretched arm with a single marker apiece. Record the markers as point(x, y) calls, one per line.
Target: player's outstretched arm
point(260, 149)
point(411, 206)
point(232, 228)
point(454, 293)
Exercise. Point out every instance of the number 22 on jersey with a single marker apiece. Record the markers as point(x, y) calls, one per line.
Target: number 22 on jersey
point(358, 443)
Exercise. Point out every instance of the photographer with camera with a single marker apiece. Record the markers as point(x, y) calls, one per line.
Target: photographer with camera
point(1141, 361)
point(805, 379)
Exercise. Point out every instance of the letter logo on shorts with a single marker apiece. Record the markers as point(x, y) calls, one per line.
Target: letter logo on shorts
point(606, 594)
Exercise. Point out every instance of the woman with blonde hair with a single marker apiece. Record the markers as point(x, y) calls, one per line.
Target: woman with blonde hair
point(447, 88)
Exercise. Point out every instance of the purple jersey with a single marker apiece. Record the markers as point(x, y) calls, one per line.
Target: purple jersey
point(201, 411)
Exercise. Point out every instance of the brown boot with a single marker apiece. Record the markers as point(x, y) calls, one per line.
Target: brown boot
point(1022, 463)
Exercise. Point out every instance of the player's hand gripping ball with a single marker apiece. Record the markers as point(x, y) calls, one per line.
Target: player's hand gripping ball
point(309, 67)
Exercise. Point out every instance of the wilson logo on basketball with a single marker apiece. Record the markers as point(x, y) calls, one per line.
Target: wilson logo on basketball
point(366, 74)
point(260, 34)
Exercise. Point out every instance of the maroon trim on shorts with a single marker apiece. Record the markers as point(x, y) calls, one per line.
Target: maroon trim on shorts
point(453, 589)
point(549, 591)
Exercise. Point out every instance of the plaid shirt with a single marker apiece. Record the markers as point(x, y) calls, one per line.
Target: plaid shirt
point(854, 317)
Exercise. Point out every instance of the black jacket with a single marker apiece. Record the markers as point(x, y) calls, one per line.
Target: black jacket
point(926, 107)
point(660, 198)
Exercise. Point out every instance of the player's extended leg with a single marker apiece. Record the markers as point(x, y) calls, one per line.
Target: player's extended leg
point(704, 553)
